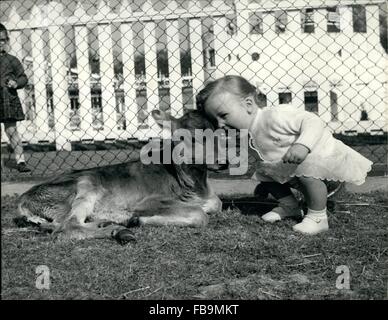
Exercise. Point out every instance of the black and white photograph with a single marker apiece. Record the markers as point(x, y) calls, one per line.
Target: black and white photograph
point(194, 155)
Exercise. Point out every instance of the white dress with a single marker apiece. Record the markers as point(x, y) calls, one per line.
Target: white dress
point(329, 158)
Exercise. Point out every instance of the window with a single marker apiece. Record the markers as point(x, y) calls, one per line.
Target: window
point(359, 18)
point(209, 58)
point(255, 56)
point(212, 59)
point(334, 106)
point(308, 20)
point(280, 21)
point(256, 23)
point(231, 28)
point(74, 103)
point(364, 116)
point(333, 20)
point(285, 97)
point(261, 100)
point(311, 101)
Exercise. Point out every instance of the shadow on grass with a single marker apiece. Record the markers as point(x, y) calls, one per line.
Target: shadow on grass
point(248, 205)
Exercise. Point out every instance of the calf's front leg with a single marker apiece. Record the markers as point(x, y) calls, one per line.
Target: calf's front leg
point(92, 231)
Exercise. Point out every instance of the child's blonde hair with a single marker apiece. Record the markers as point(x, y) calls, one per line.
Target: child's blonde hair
point(236, 85)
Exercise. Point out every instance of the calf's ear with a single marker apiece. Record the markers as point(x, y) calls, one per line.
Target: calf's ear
point(166, 122)
point(161, 116)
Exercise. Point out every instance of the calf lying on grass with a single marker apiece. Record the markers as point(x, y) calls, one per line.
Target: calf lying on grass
point(106, 201)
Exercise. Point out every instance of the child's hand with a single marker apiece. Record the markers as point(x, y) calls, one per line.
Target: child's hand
point(296, 154)
point(12, 84)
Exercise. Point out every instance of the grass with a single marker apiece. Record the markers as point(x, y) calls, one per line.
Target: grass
point(237, 256)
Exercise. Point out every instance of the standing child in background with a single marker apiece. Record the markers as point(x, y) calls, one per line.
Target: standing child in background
point(294, 147)
point(12, 77)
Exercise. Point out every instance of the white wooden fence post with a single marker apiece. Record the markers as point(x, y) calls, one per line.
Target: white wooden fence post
point(196, 47)
point(61, 100)
point(321, 46)
point(84, 88)
point(294, 33)
point(222, 52)
point(151, 77)
point(378, 84)
point(107, 80)
point(129, 80)
point(174, 68)
point(83, 74)
point(129, 85)
point(243, 12)
point(41, 120)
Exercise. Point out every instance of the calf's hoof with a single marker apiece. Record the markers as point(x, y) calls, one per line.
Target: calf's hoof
point(133, 222)
point(123, 236)
point(23, 222)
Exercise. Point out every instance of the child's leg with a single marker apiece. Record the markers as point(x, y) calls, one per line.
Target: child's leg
point(315, 221)
point(14, 139)
point(288, 205)
point(315, 192)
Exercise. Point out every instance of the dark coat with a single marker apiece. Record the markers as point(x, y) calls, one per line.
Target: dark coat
point(10, 106)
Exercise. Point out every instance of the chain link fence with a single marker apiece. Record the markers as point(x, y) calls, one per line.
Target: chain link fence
point(97, 68)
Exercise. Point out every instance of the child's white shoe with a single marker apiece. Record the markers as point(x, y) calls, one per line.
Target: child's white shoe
point(312, 224)
point(280, 213)
point(288, 207)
